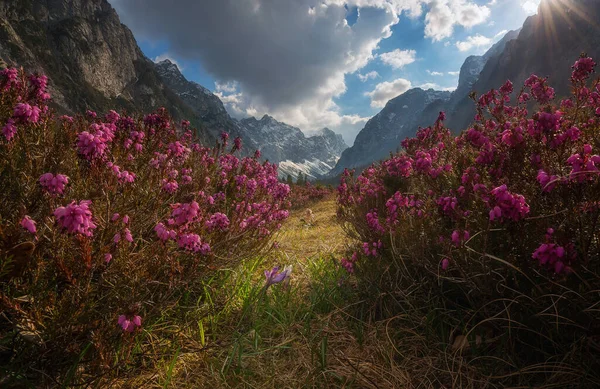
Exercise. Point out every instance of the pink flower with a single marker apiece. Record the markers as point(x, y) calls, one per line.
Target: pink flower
point(130, 323)
point(237, 144)
point(76, 218)
point(583, 68)
point(183, 214)
point(218, 221)
point(54, 185)
point(547, 181)
point(29, 224)
point(224, 138)
point(107, 257)
point(9, 130)
point(445, 263)
point(26, 113)
point(508, 205)
point(127, 235)
point(193, 243)
point(163, 233)
point(169, 186)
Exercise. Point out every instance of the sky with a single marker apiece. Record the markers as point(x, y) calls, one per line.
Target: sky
point(319, 63)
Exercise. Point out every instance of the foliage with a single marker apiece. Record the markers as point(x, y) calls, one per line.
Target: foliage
point(493, 235)
point(306, 194)
point(106, 222)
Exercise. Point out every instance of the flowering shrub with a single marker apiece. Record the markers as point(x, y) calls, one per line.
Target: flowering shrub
point(500, 222)
point(92, 277)
point(303, 195)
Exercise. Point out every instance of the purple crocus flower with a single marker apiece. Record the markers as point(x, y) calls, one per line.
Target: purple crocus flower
point(274, 276)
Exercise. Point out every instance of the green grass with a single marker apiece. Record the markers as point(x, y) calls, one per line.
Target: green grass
point(317, 332)
point(233, 332)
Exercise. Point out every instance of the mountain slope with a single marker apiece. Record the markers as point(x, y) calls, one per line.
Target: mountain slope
point(92, 60)
point(383, 132)
point(547, 45)
point(206, 105)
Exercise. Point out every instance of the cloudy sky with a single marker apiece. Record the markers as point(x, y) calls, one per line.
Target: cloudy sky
point(319, 63)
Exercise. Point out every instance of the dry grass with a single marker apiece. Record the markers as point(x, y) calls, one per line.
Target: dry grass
point(314, 335)
point(308, 339)
point(302, 238)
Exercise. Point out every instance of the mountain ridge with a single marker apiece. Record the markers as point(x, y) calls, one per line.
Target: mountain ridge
point(278, 142)
point(383, 133)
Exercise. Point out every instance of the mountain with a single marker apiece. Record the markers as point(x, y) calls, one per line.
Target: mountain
point(547, 45)
point(204, 104)
point(400, 118)
point(286, 145)
point(471, 70)
point(278, 142)
point(92, 60)
point(403, 115)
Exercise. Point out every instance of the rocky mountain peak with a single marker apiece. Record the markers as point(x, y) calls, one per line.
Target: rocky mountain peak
point(167, 66)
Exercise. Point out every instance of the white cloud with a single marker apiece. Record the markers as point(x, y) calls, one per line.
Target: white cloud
point(530, 6)
point(474, 41)
point(479, 41)
point(500, 34)
point(434, 73)
point(444, 14)
point(433, 85)
point(371, 75)
point(454, 73)
point(262, 45)
point(387, 90)
point(228, 87)
point(398, 58)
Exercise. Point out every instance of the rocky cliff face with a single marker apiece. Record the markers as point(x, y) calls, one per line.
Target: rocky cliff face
point(92, 60)
point(204, 104)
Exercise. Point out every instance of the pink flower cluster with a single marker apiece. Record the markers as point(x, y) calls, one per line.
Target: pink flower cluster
point(76, 218)
point(93, 144)
point(370, 249)
point(9, 130)
point(26, 113)
point(217, 221)
point(584, 165)
point(130, 323)
point(348, 264)
point(508, 205)
point(193, 243)
point(54, 184)
point(29, 224)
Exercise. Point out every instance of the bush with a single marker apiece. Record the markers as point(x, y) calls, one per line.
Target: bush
point(306, 194)
point(493, 235)
point(106, 222)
